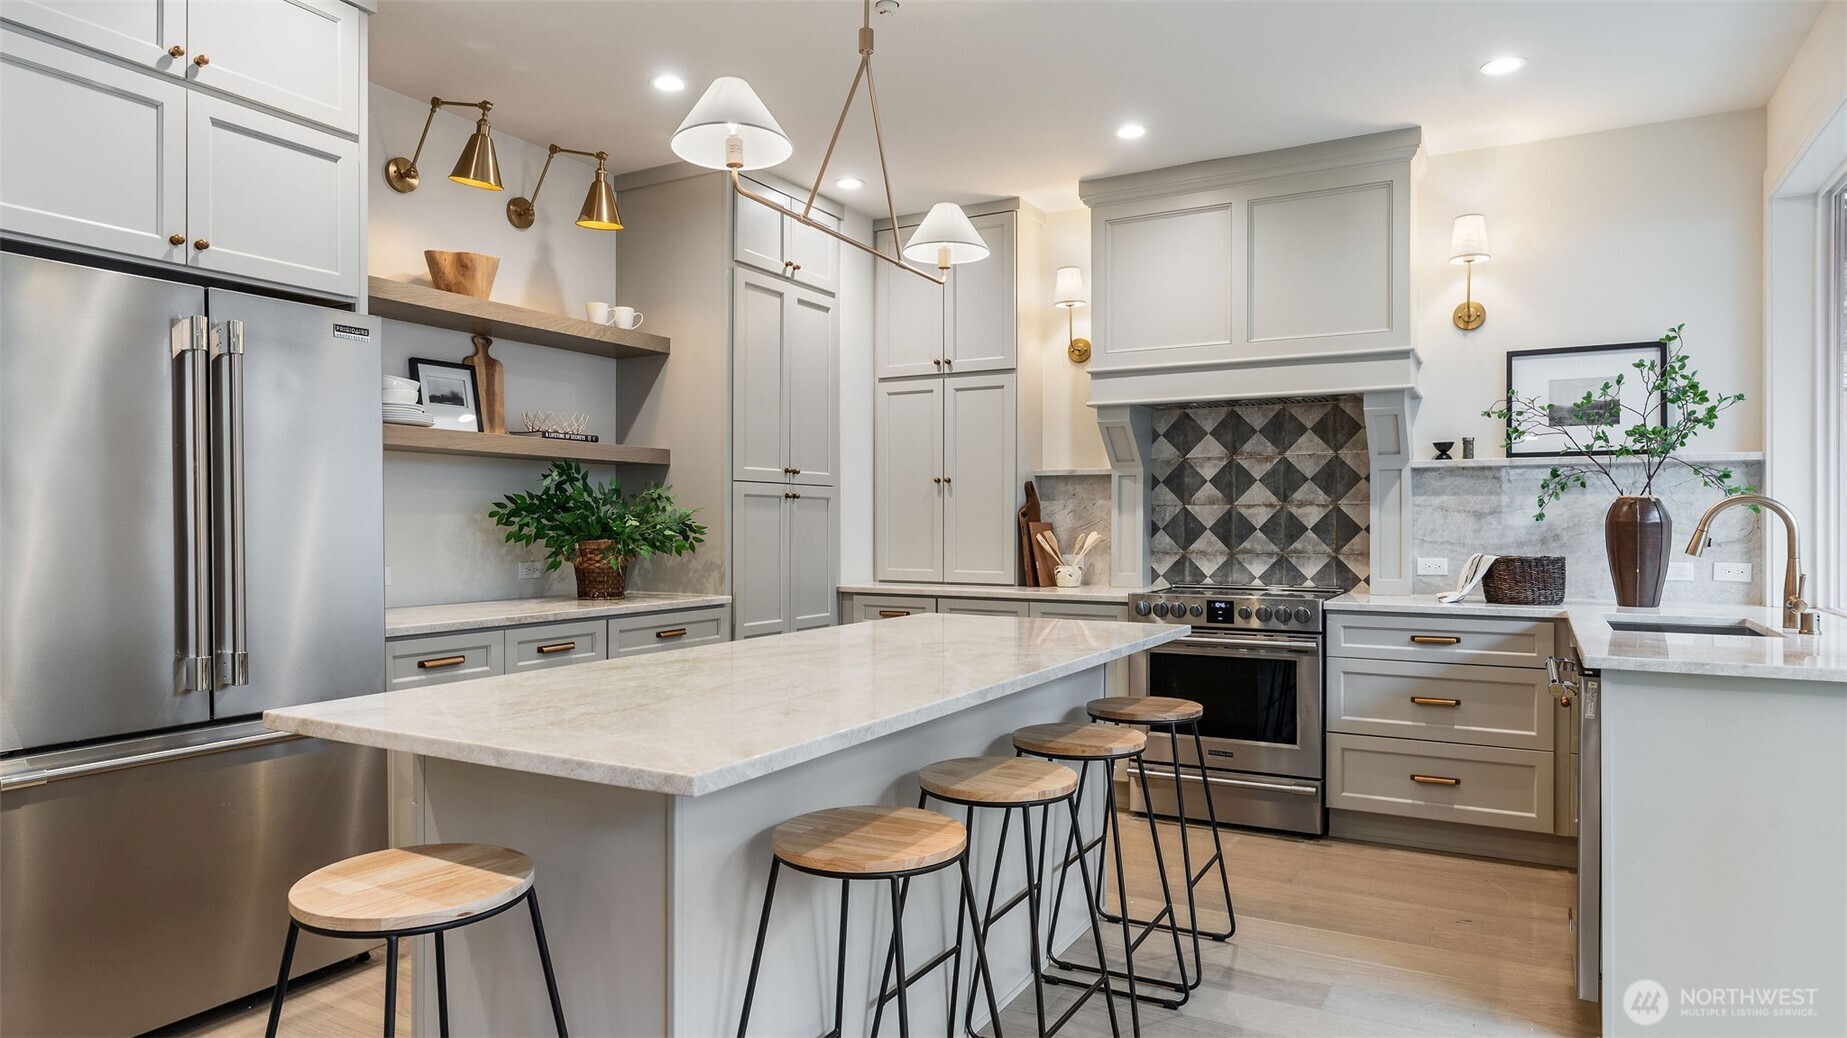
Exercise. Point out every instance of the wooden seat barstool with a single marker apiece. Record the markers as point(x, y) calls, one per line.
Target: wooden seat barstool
point(871, 843)
point(1103, 745)
point(408, 892)
point(1009, 784)
point(1163, 713)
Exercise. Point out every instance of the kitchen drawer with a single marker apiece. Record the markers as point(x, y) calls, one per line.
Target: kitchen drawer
point(870, 607)
point(1079, 611)
point(556, 645)
point(1482, 785)
point(1441, 639)
point(657, 632)
point(441, 658)
point(1446, 702)
point(983, 607)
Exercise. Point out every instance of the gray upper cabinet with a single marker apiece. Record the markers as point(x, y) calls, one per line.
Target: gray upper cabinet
point(785, 425)
point(944, 480)
point(784, 568)
point(968, 325)
point(768, 240)
point(140, 32)
point(911, 315)
point(302, 57)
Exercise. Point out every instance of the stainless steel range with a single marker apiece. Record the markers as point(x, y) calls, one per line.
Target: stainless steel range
point(1254, 662)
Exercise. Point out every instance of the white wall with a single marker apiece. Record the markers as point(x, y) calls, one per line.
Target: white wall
point(1071, 440)
point(1812, 90)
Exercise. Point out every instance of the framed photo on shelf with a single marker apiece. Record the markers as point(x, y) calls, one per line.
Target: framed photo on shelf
point(450, 393)
point(1559, 378)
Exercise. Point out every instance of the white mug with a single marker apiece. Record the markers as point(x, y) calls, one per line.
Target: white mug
point(625, 317)
point(596, 313)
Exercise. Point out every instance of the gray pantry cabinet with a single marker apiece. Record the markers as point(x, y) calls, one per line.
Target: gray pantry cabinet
point(784, 566)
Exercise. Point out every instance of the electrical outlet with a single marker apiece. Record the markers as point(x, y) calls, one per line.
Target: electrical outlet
point(1680, 571)
point(387, 576)
point(1433, 567)
point(1732, 572)
point(531, 570)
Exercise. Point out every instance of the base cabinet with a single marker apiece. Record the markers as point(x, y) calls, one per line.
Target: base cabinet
point(783, 562)
point(944, 480)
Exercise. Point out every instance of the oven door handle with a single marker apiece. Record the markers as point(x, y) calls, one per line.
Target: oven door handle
point(1273, 644)
point(1219, 780)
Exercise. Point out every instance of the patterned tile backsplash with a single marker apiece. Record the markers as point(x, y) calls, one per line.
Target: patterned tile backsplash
point(1262, 492)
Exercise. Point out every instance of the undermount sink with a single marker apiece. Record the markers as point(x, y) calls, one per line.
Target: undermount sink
point(1735, 628)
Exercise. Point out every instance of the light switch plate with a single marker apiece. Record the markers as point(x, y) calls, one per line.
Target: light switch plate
point(1680, 571)
point(1732, 572)
point(531, 570)
point(1432, 567)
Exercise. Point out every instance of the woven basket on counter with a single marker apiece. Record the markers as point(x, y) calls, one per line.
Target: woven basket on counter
point(1525, 580)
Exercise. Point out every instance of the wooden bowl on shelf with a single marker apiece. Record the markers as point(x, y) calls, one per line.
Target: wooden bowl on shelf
point(464, 273)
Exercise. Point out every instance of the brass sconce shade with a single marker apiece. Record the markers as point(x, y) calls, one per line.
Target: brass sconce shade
point(599, 211)
point(1468, 245)
point(476, 167)
point(1068, 295)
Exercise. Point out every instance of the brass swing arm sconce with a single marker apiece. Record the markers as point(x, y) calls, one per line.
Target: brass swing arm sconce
point(599, 209)
point(476, 167)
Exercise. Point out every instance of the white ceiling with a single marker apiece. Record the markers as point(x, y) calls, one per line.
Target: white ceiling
point(988, 99)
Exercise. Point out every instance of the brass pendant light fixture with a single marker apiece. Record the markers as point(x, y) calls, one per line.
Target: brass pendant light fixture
point(731, 129)
point(599, 209)
point(477, 166)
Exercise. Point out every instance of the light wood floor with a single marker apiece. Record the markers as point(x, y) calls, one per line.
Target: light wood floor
point(1334, 939)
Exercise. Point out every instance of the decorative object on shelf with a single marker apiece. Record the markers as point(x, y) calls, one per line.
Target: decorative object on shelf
point(491, 381)
point(597, 528)
point(1442, 448)
point(1525, 580)
point(398, 399)
point(1607, 416)
point(1070, 570)
point(477, 166)
point(731, 129)
point(626, 318)
point(1468, 448)
point(599, 209)
point(468, 274)
point(552, 422)
point(450, 393)
point(1068, 295)
point(1468, 245)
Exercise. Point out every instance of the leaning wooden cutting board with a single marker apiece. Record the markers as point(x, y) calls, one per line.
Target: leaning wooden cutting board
point(1029, 513)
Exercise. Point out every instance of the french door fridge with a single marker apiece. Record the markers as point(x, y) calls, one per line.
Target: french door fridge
point(191, 532)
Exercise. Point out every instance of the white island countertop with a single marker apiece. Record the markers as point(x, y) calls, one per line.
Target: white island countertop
point(699, 719)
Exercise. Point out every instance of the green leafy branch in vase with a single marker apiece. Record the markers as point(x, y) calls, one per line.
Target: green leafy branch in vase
point(1649, 437)
point(568, 509)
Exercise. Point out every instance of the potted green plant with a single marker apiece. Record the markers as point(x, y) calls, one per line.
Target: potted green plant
point(597, 528)
point(1637, 531)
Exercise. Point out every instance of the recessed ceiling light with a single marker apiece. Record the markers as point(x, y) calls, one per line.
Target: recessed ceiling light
point(1130, 131)
point(669, 83)
point(1503, 66)
point(849, 183)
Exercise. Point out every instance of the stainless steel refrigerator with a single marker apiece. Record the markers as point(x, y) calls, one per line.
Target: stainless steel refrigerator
point(191, 532)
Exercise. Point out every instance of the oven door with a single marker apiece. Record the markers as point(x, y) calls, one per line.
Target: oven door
point(1261, 693)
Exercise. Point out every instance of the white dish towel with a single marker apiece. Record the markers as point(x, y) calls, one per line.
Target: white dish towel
point(1472, 572)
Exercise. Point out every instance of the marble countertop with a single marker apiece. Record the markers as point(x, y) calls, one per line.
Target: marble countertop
point(1088, 593)
point(702, 718)
point(405, 621)
point(1778, 654)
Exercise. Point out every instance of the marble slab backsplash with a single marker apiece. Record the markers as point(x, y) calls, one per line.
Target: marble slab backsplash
point(1471, 508)
point(1076, 505)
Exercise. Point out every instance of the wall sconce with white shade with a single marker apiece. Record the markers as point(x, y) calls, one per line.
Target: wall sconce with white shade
point(1068, 295)
point(599, 209)
point(477, 166)
point(1468, 245)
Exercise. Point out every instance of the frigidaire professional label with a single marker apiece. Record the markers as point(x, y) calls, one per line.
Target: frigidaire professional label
point(356, 332)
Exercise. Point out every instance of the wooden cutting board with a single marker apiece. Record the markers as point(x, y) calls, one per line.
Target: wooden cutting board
point(1044, 560)
point(1029, 513)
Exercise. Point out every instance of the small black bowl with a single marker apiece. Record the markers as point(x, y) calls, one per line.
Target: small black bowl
point(1443, 447)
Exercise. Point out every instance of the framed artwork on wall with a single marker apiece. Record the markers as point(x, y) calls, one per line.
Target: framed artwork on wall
point(1571, 384)
point(450, 393)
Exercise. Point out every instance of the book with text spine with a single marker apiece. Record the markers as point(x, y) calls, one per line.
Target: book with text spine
point(548, 435)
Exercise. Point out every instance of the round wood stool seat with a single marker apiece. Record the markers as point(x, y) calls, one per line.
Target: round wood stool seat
point(1145, 710)
point(406, 888)
point(998, 780)
point(1079, 740)
point(869, 840)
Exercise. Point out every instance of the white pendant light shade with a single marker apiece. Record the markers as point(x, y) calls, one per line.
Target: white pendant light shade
point(1468, 242)
point(1068, 291)
point(731, 109)
point(945, 234)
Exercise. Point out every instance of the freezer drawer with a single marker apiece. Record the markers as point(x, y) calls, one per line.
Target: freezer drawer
point(438, 659)
point(136, 897)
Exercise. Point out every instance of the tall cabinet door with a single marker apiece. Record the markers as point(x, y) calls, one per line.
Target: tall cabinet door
point(760, 326)
point(907, 480)
point(983, 325)
point(759, 559)
point(813, 524)
point(980, 532)
point(250, 178)
point(811, 379)
point(95, 153)
point(910, 314)
point(297, 56)
point(137, 31)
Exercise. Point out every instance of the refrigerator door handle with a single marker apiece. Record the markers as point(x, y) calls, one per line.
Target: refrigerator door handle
point(191, 372)
point(229, 574)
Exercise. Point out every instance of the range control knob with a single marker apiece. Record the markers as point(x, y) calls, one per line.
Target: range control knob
point(1160, 609)
point(1143, 609)
point(1263, 613)
point(1244, 612)
point(1282, 615)
point(1198, 610)
point(1302, 614)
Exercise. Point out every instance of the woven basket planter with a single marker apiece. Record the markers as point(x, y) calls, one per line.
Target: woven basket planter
point(597, 577)
point(1525, 580)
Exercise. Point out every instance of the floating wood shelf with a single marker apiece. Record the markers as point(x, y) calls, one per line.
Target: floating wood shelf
point(491, 445)
point(419, 304)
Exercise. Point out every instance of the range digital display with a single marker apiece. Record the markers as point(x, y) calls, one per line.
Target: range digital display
point(1218, 611)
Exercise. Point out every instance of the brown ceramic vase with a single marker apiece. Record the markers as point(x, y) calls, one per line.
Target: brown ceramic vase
point(1637, 532)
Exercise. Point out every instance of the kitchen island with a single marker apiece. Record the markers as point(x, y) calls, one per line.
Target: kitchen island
point(645, 790)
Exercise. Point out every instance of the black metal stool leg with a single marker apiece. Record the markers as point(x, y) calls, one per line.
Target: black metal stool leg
point(391, 986)
point(756, 957)
point(1122, 896)
point(1186, 849)
point(955, 958)
point(1096, 936)
point(442, 988)
point(1032, 914)
point(981, 953)
point(840, 966)
point(545, 960)
point(897, 944)
point(891, 952)
point(282, 980)
point(1167, 894)
point(1218, 845)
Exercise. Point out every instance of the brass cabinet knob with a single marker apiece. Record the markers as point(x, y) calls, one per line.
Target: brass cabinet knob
point(938, 480)
point(201, 61)
point(791, 494)
point(794, 265)
point(176, 239)
point(949, 362)
point(201, 244)
point(947, 481)
point(176, 51)
point(938, 362)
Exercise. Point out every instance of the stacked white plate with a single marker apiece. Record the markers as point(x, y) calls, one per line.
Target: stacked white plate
point(400, 402)
point(407, 414)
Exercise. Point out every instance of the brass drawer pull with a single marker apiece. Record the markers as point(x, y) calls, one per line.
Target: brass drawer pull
point(439, 662)
point(1435, 701)
point(1436, 639)
point(1436, 780)
point(672, 632)
point(547, 650)
point(887, 614)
